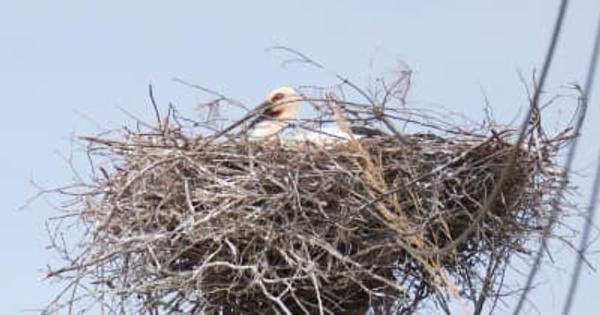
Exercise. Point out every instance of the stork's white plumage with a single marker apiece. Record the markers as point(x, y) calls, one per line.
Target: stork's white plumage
point(324, 135)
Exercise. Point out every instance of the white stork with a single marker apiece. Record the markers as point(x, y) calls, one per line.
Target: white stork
point(280, 109)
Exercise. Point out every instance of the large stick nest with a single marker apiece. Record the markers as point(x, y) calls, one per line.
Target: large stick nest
point(181, 224)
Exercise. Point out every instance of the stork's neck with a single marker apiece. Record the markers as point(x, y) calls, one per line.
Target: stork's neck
point(266, 129)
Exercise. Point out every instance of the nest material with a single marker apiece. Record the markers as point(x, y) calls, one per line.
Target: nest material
point(290, 227)
point(177, 224)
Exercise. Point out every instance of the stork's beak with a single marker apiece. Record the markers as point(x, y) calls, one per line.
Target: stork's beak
point(259, 113)
point(262, 106)
point(260, 110)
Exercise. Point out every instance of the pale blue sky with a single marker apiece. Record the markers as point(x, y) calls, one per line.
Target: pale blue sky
point(60, 58)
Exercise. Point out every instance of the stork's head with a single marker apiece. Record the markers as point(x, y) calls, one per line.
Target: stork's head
point(282, 103)
point(273, 114)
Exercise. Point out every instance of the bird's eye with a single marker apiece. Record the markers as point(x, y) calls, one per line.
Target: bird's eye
point(277, 97)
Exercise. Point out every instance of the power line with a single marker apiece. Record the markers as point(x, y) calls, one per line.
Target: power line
point(587, 90)
point(571, 154)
